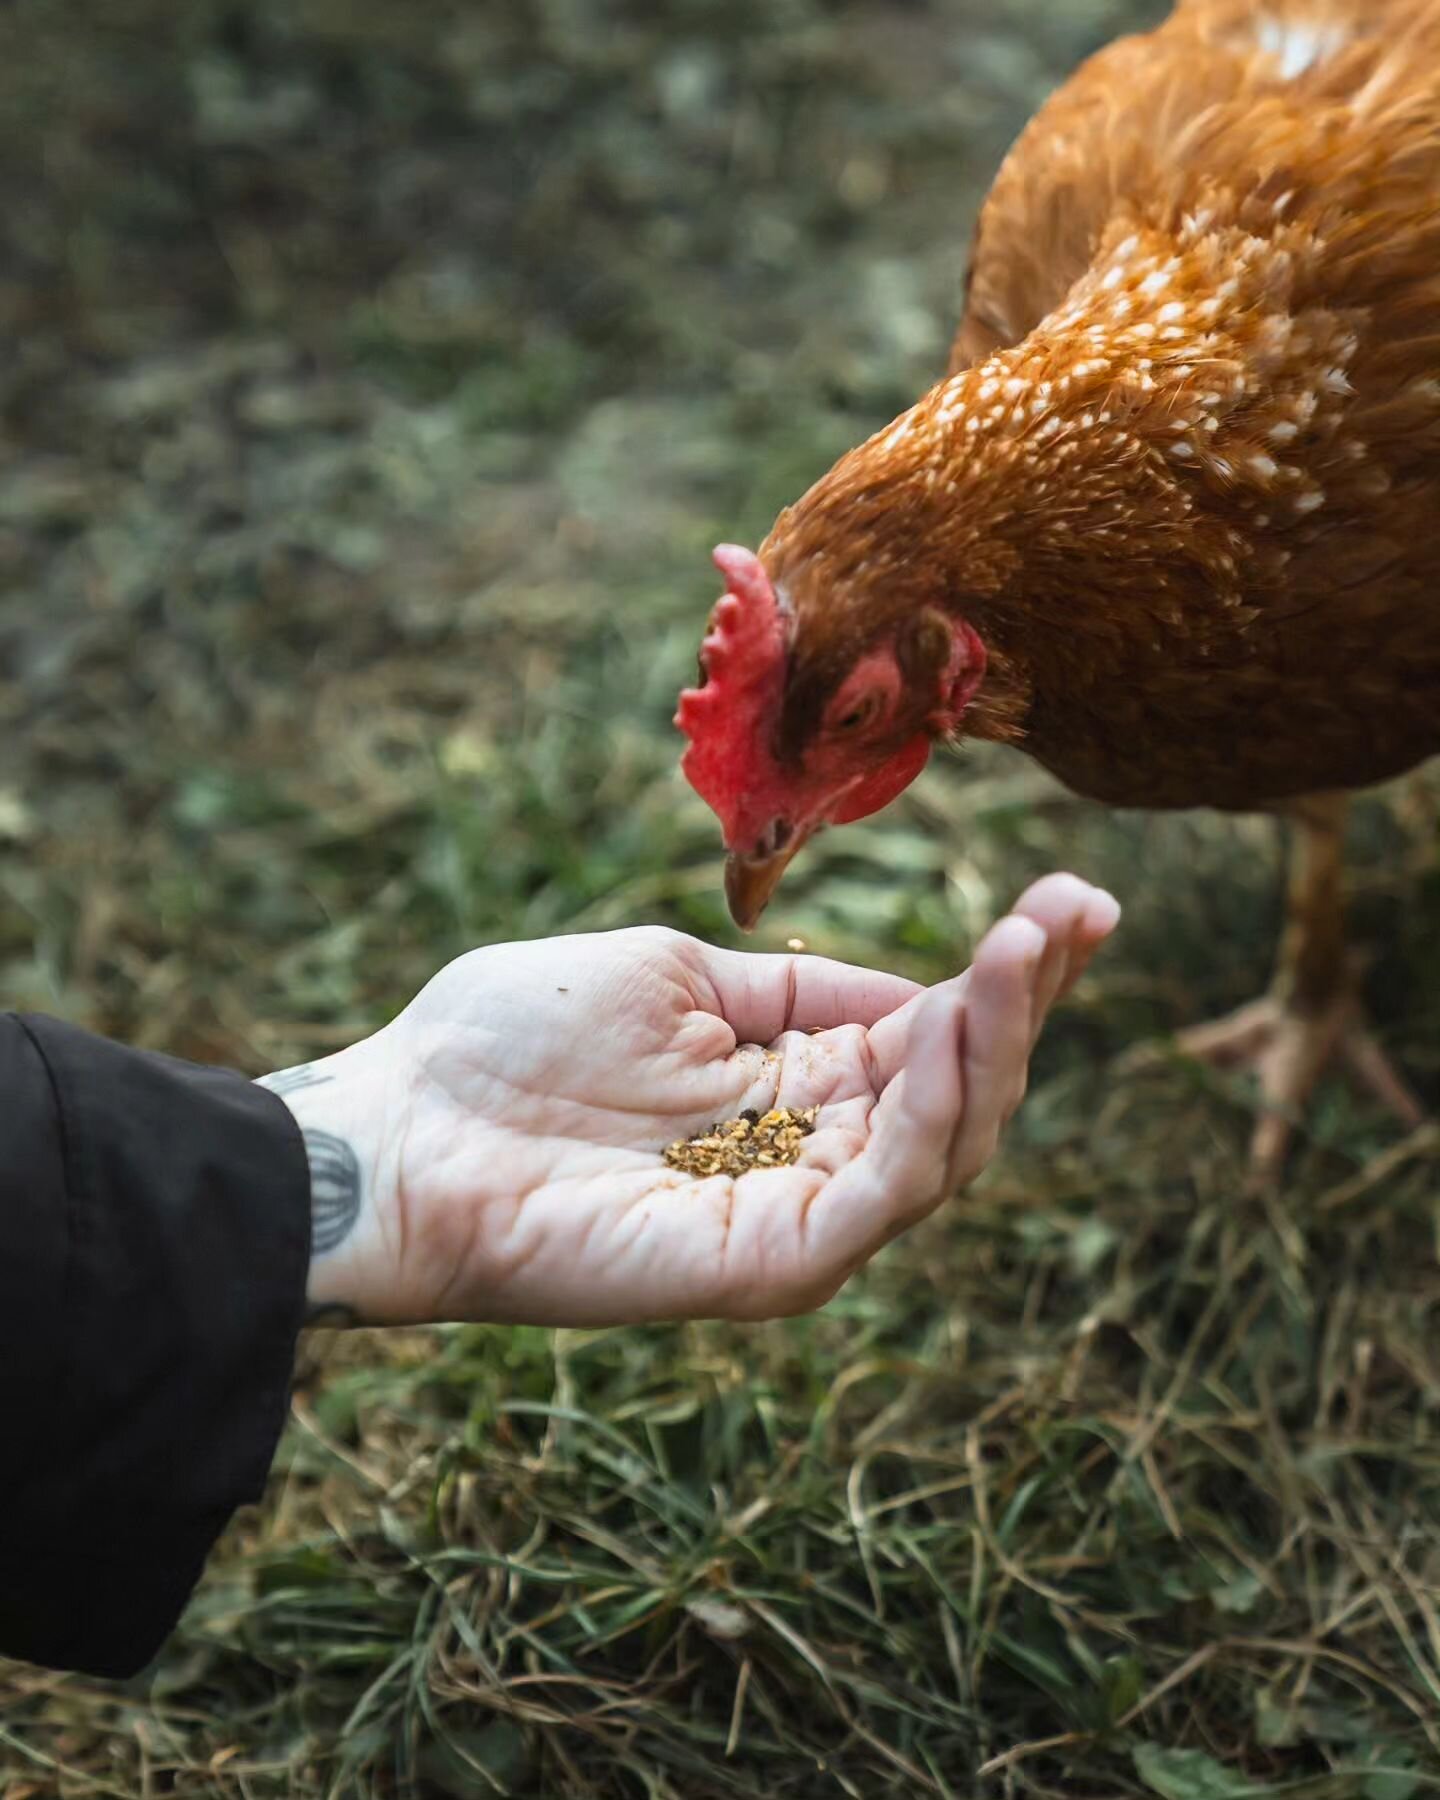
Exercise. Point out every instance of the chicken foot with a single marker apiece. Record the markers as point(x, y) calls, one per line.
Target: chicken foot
point(1313, 1012)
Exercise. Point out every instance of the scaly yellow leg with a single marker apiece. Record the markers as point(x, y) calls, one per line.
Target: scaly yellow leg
point(1313, 1011)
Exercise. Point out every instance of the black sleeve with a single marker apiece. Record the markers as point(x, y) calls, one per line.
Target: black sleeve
point(154, 1245)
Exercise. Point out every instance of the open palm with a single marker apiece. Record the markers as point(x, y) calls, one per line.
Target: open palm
point(522, 1102)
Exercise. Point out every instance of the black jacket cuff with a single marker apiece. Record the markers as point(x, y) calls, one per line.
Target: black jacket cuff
point(154, 1247)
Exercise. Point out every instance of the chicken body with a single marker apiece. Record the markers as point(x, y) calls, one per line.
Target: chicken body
point(1171, 523)
point(1220, 248)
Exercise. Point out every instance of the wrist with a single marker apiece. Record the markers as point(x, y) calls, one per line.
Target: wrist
point(340, 1116)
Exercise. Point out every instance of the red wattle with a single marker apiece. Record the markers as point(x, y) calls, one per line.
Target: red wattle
point(875, 792)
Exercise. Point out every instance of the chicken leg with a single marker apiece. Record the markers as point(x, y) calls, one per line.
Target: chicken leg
point(1313, 1010)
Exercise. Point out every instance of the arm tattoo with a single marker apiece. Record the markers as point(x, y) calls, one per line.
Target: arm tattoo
point(334, 1190)
point(290, 1081)
point(335, 1187)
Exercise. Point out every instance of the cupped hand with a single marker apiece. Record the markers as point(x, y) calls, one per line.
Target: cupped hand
point(496, 1153)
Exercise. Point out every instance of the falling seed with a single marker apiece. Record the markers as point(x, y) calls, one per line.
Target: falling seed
point(798, 945)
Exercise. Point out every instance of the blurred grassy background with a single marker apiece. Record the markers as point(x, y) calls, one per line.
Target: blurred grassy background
point(374, 383)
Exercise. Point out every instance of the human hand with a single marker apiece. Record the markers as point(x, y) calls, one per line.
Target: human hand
point(495, 1153)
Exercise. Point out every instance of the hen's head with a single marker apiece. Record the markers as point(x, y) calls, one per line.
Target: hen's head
point(789, 735)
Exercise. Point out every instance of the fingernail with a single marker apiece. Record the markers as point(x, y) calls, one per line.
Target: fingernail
point(1103, 912)
point(1033, 948)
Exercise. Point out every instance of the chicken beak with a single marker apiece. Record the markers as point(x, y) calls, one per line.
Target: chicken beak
point(751, 880)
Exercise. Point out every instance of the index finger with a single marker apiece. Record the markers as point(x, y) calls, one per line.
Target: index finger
point(1076, 919)
point(762, 996)
point(942, 1116)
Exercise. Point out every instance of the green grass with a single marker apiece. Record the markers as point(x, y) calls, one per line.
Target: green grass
point(380, 379)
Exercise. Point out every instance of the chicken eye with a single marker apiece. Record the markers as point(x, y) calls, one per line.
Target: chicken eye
point(856, 716)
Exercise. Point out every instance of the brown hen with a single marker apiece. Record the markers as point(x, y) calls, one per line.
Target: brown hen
point(1171, 524)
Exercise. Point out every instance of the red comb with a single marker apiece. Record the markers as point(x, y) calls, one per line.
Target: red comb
point(743, 658)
